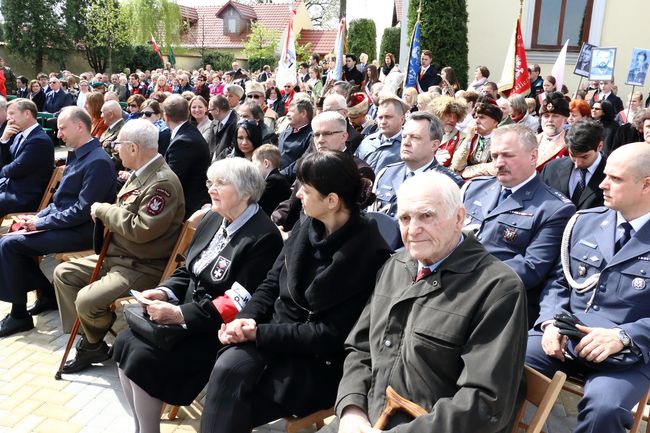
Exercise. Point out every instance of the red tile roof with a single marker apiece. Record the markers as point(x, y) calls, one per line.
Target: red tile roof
point(398, 10)
point(189, 13)
point(208, 31)
point(322, 41)
point(246, 11)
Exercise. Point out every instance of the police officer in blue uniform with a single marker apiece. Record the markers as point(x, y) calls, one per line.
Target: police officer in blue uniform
point(515, 215)
point(603, 278)
point(420, 140)
point(383, 147)
point(65, 223)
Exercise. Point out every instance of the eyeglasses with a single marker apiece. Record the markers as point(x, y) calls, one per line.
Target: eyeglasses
point(253, 96)
point(596, 109)
point(288, 86)
point(133, 105)
point(53, 82)
point(325, 133)
point(219, 183)
point(117, 144)
point(148, 113)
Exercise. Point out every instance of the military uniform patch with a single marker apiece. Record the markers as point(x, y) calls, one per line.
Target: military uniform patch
point(510, 235)
point(220, 268)
point(163, 191)
point(638, 283)
point(155, 205)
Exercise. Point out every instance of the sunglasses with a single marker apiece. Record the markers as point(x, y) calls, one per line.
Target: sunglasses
point(253, 96)
point(133, 105)
point(148, 113)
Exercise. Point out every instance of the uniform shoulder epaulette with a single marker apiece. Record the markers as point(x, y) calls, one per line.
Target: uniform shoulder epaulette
point(557, 194)
point(394, 164)
point(599, 209)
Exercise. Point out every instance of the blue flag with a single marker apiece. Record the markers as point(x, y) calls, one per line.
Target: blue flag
point(414, 59)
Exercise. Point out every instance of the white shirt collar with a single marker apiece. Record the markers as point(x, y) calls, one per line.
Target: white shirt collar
point(592, 168)
point(636, 223)
point(139, 171)
point(420, 169)
point(29, 130)
point(115, 123)
point(175, 130)
point(521, 185)
point(225, 119)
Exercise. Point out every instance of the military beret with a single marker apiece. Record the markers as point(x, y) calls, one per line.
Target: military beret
point(97, 84)
point(488, 107)
point(554, 102)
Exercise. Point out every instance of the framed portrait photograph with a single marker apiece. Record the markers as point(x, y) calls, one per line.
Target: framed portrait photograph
point(602, 64)
point(638, 69)
point(583, 65)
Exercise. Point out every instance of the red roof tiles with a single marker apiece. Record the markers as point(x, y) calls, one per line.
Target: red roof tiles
point(322, 41)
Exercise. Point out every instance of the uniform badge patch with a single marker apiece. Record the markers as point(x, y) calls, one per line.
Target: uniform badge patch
point(220, 268)
point(638, 283)
point(155, 205)
point(582, 270)
point(510, 235)
point(163, 191)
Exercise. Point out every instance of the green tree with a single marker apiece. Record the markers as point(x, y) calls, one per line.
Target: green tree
point(35, 29)
point(262, 41)
point(106, 31)
point(389, 43)
point(220, 61)
point(303, 52)
point(362, 35)
point(144, 58)
point(162, 18)
point(444, 33)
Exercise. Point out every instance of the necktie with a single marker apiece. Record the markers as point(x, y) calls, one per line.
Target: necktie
point(580, 187)
point(627, 235)
point(17, 142)
point(423, 273)
point(130, 179)
point(504, 194)
point(409, 174)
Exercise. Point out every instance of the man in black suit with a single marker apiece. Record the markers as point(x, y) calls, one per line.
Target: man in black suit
point(428, 73)
point(28, 159)
point(223, 129)
point(187, 154)
point(605, 94)
point(579, 176)
point(56, 98)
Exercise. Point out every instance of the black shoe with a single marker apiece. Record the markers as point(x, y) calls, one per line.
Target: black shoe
point(10, 325)
point(86, 356)
point(42, 305)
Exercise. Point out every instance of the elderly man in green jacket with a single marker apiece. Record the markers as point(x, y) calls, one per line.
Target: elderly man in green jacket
point(445, 327)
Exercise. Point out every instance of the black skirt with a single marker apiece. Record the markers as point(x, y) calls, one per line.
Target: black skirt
point(175, 377)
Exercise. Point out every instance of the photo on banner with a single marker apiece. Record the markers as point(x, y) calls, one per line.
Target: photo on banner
point(583, 65)
point(602, 64)
point(638, 70)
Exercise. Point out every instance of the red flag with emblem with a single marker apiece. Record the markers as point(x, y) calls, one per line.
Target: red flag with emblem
point(155, 48)
point(514, 78)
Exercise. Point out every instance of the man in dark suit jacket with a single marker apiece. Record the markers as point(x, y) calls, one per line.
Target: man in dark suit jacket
point(428, 73)
point(350, 72)
point(579, 176)
point(64, 225)
point(28, 159)
point(187, 154)
point(56, 98)
point(605, 93)
point(223, 129)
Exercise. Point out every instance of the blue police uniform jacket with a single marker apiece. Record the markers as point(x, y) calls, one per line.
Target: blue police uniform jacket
point(89, 177)
point(524, 231)
point(621, 294)
point(390, 179)
point(378, 152)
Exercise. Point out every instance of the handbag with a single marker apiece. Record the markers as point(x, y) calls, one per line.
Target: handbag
point(163, 337)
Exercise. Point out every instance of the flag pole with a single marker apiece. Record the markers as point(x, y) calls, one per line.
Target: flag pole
point(627, 115)
point(521, 9)
point(575, 94)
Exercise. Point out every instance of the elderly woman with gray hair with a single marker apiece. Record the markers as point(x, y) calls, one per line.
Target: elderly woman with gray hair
point(233, 248)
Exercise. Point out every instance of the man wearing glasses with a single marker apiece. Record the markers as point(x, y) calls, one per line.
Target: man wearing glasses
point(56, 98)
point(144, 222)
point(255, 92)
point(605, 93)
point(223, 128)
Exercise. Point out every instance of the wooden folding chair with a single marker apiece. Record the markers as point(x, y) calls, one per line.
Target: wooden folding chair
point(317, 419)
point(176, 258)
point(575, 385)
point(542, 392)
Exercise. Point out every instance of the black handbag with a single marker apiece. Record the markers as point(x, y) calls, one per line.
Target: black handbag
point(163, 337)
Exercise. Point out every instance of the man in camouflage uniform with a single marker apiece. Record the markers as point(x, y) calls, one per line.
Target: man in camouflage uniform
point(144, 223)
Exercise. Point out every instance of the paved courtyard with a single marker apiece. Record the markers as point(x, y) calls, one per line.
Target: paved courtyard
point(31, 400)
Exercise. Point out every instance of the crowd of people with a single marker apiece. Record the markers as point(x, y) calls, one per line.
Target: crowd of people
point(514, 213)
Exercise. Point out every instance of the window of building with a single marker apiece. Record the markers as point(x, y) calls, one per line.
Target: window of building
point(232, 25)
point(555, 21)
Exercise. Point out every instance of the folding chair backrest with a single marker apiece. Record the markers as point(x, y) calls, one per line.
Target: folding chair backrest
point(57, 174)
point(177, 257)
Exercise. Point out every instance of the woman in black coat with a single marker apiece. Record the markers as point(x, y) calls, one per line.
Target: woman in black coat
point(603, 112)
point(286, 353)
point(37, 95)
point(235, 242)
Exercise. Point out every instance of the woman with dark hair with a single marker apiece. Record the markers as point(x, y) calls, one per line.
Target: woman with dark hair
point(603, 113)
point(201, 87)
point(36, 94)
point(249, 138)
point(133, 105)
point(389, 64)
point(199, 115)
point(274, 100)
point(449, 78)
point(152, 111)
point(285, 353)
point(372, 77)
